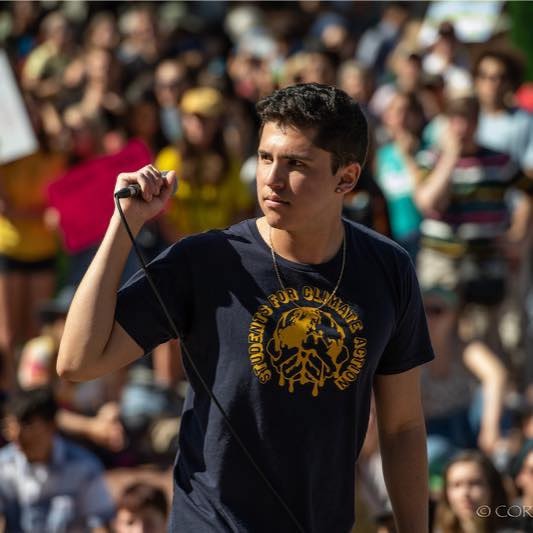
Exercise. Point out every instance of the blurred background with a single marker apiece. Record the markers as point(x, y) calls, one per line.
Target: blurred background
point(90, 89)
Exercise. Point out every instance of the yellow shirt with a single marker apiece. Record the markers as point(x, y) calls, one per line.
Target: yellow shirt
point(203, 206)
point(23, 184)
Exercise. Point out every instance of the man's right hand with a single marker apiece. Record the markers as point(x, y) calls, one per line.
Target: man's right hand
point(155, 191)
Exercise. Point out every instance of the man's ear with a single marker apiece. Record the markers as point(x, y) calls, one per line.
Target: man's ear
point(348, 177)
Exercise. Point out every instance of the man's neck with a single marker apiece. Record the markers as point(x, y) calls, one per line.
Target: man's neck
point(310, 245)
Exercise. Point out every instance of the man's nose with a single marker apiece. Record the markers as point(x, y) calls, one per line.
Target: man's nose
point(275, 176)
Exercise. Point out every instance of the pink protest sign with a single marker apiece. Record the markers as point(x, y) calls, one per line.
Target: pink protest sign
point(84, 195)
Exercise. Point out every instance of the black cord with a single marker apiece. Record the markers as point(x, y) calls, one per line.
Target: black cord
point(191, 362)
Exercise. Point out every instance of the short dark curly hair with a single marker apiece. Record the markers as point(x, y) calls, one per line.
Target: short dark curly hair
point(25, 405)
point(340, 125)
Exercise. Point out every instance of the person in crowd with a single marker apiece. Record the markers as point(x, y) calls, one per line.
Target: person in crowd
point(210, 193)
point(358, 82)
point(139, 49)
point(502, 126)
point(378, 42)
point(332, 31)
point(396, 168)
point(170, 82)
point(473, 490)
point(28, 247)
point(89, 412)
point(48, 482)
point(143, 120)
point(444, 58)
point(461, 194)
point(463, 388)
point(44, 68)
point(251, 66)
point(141, 507)
point(406, 67)
point(505, 128)
point(23, 36)
point(321, 66)
point(102, 32)
point(92, 82)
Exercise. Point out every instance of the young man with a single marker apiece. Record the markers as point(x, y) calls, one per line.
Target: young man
point(291, 319)
point(48, 483)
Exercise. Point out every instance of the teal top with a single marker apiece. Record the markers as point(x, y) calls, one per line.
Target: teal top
point(398, 188)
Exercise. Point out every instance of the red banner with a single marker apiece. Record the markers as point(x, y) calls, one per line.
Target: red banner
point(84, 195)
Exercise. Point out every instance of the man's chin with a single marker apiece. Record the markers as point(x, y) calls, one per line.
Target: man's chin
point(275, 220)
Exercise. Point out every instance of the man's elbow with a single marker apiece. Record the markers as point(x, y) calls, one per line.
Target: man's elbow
point(67, 372)
point(413, 426)
point(68, 366)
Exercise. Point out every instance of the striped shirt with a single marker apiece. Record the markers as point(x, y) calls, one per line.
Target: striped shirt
point(477, 212)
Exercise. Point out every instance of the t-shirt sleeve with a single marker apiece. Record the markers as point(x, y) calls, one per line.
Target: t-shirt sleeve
point(138, 310)
point(409, 345)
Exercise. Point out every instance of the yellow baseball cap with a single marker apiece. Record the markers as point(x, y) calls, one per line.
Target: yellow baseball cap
point(204, 101)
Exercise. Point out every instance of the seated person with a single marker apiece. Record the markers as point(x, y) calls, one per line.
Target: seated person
point(87, 411)
point(472, 485)
point(463, 388)
point(141, 507)
point(48, 483)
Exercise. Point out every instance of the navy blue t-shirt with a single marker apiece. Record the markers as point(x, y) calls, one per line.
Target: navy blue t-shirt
point(294, 380)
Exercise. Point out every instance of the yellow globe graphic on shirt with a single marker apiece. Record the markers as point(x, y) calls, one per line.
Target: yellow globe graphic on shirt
point(307, 347)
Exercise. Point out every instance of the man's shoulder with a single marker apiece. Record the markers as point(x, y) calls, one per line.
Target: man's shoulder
point(214, 237)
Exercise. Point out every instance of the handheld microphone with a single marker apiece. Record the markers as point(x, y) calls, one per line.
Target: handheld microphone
point(134, 190)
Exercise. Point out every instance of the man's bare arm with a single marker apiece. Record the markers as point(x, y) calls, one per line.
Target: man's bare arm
point(93, 344)
point(402, 437)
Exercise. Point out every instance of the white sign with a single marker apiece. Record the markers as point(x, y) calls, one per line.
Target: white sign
point(17, 138)
point(474, 22)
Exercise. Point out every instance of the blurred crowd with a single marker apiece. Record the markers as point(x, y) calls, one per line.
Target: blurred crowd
point(449, 177)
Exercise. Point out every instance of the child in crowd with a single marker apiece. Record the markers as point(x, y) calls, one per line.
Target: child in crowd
point(141, 507)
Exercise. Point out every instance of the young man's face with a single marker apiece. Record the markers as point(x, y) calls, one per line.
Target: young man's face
point(34, 438)
point(295, 182)
point(148, 520)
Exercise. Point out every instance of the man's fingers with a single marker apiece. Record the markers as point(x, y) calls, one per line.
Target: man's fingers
point(151, 181)
point(170, 180)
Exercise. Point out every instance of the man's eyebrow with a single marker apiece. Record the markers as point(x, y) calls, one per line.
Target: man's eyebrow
point(300, 157)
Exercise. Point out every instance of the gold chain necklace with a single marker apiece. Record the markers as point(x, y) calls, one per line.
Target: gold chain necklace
point(278, 275)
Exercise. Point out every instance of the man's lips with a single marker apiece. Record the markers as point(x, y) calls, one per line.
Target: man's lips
point(275, 200)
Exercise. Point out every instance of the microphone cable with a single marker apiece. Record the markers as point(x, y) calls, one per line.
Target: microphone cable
point(198, 374)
